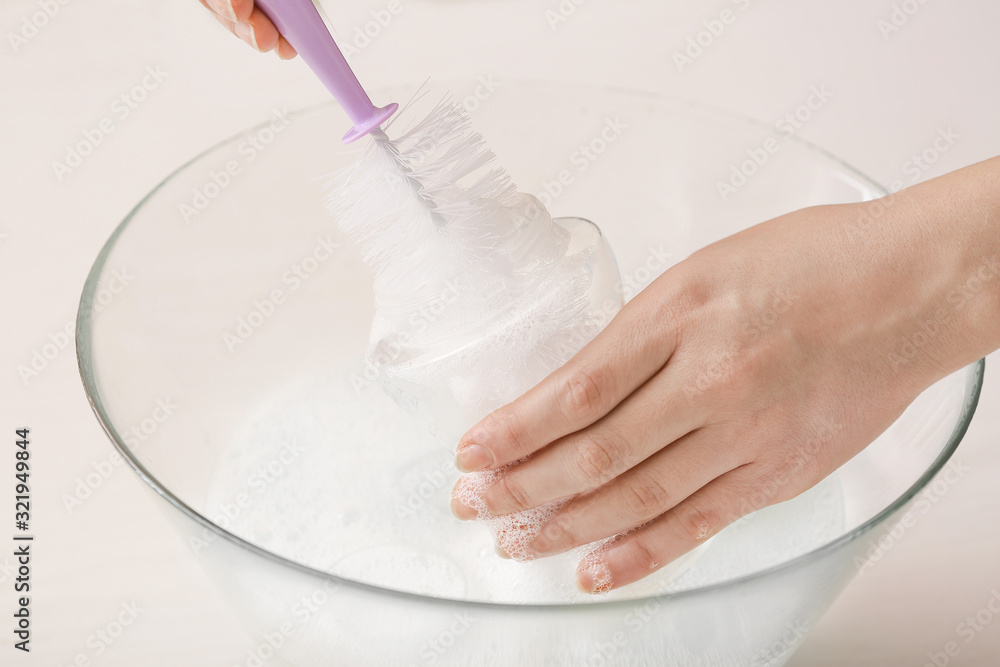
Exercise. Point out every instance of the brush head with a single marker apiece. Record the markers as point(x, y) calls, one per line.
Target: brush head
point(427, 187)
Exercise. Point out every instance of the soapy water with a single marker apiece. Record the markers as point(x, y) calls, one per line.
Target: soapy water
point(365, 497)
point(479, 294)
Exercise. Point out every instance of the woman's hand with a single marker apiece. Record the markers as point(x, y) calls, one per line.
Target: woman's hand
point(740, 378)
point(251, 25)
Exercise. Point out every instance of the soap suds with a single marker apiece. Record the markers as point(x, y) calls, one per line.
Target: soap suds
point(367, 499)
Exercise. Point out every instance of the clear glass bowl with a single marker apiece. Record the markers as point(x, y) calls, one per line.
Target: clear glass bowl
point(231, 357)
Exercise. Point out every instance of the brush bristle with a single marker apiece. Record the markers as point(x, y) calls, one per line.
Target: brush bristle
point(430, 186)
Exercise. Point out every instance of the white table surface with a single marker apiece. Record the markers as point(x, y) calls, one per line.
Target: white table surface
point(890, 96)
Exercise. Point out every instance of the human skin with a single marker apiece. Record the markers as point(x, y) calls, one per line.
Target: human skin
point(250, 24)
point(748, 372)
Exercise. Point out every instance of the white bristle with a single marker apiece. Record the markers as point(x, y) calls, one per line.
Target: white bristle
point(428, 185)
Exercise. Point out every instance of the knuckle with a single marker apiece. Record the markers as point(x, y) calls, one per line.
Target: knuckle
point(594, 460)
point(513, 434)
point(722, 372)
point(755, 493)
point(639, 551)
point(510, 488)
point(786, 477)
point(560, 530)
point(581, 395)
point(696, 524)
point(645, 497)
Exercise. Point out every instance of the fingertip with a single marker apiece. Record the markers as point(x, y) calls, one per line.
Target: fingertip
point(222, 8)
point(246, 32)
point(226, 23)
point(285, 50)
point(265, 34)
point(242, 9)
point(460, 509)
point(594, 578)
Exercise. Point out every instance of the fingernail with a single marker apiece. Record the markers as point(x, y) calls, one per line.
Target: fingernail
point(500, 552)
point(595, 578)
point(539, 545)
point(245, 32)
point(224, 8)
point(461, 510)
point(291, 52)
point(474, 457)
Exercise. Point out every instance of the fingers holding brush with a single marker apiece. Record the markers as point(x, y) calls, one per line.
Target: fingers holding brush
point(251, 25)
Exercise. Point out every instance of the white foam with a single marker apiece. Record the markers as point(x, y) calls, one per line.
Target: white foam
point(367, 498)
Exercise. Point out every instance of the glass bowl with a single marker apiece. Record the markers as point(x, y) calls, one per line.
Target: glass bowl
point(221, 336)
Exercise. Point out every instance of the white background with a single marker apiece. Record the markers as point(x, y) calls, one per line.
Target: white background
point(891, 93)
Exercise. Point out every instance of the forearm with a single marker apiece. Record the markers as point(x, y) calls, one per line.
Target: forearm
point(943, 262)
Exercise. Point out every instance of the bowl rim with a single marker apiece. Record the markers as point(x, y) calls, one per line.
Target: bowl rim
point(974, 382)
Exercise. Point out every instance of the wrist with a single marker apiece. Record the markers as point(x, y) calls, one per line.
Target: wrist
point(939, 245)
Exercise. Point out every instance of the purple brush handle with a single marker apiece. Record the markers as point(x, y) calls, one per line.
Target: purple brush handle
point(300, 23)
